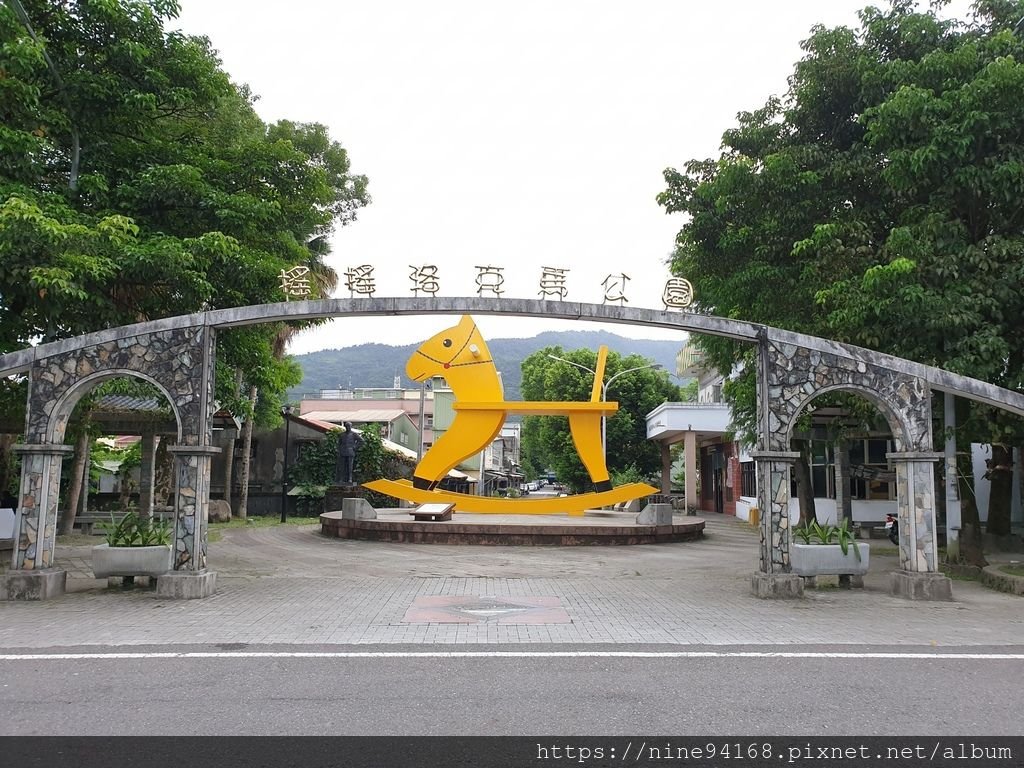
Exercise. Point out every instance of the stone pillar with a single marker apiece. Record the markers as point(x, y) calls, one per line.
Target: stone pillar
point(773, 472)
point(666, 468)
point(189, 577)
point(32, 575)
point(919, 541)
point(690, 459)
point(147, 473)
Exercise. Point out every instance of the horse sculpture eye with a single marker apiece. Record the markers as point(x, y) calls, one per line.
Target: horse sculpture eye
point(447, 342)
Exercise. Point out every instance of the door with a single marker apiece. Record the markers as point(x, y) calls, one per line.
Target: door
point(718, 481)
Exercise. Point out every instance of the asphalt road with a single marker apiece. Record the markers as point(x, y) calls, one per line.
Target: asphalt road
point(530, 692)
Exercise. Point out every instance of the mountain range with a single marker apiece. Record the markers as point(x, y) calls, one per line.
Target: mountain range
point(377, 365)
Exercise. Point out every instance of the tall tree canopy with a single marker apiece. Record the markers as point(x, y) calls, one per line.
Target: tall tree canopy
point(547, 442)
point(878, 201)
point(137, 182)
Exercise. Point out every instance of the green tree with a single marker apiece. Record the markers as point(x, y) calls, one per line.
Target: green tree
point(137, 182)
point(181, 199)
point(880, 196)
point(546, 440)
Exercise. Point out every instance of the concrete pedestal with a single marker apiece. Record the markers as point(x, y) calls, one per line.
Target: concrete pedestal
point(186, 585)
point(335, 497)
point(655, 514)
point(36, 584)
point(920, 586)
point(357, 509)
point(777, 585)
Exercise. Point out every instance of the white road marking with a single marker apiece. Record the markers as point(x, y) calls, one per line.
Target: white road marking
point(43, 656)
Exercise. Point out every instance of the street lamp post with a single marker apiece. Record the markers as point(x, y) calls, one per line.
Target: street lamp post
point(286, 411)
point(604, 392)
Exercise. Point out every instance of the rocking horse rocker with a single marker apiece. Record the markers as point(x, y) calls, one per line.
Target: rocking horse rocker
point(461, 356)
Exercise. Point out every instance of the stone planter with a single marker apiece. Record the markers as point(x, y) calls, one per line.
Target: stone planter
point(828, 560)
point(130, 561)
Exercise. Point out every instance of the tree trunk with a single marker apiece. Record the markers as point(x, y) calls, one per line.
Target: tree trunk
point(229, 463)
point(1000, 477)
point(804, 491)
point(243, 472)
point(7, 467)
point(229, 468)
point(970, 525)
point(163, 473)
point(67, 524)
point(844, 502)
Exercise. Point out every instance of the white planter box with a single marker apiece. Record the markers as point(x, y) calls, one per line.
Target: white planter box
point(828, 560)
point(130, 561)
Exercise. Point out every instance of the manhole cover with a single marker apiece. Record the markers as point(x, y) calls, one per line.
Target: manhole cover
point(472, 609)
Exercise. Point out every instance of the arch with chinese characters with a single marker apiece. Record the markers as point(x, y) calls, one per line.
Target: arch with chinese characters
point(184, 347)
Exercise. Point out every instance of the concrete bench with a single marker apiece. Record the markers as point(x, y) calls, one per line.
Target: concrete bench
point(86, 521)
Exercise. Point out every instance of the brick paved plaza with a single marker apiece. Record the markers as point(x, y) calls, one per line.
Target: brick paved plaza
point(290, 585)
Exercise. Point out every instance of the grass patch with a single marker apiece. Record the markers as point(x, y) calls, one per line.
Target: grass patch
point(263, 521)
point(1014, 569)
point(885, 550)
point(959, 572)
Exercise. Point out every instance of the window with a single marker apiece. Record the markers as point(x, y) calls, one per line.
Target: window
point(302, 446)
point(870, 476)
point(823, 470)
point(871, 479)
point(748, 479)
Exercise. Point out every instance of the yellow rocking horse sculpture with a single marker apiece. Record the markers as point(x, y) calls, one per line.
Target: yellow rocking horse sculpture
point(461, 356)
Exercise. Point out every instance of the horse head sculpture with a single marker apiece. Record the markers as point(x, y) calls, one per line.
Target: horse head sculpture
point(461, 356)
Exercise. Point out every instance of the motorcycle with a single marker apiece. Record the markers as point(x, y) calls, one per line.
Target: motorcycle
point(892, 528)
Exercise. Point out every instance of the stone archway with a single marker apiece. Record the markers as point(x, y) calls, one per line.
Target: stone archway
point(790, 376)
point(179, 362)
point(179, 353)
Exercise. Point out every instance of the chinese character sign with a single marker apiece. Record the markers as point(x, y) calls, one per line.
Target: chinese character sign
point(295, 282)
point(424, 279)
point(489, 279)
point(552, 282)
point(678, 293)
point(359, 280)
point(615, 288)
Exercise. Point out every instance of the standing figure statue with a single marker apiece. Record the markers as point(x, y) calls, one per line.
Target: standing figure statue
point(348, 446)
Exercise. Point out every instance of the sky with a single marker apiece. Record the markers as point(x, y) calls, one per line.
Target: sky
point(518, 135)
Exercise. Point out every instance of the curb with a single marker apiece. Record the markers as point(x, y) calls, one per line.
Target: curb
point(993, 576)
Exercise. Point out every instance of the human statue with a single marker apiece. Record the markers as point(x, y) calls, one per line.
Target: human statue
point(348, 446)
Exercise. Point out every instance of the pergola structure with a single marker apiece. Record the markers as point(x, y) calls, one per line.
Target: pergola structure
point(176, 355)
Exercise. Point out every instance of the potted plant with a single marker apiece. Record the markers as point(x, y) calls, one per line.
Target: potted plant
point(134, 546)
point(827, 550)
